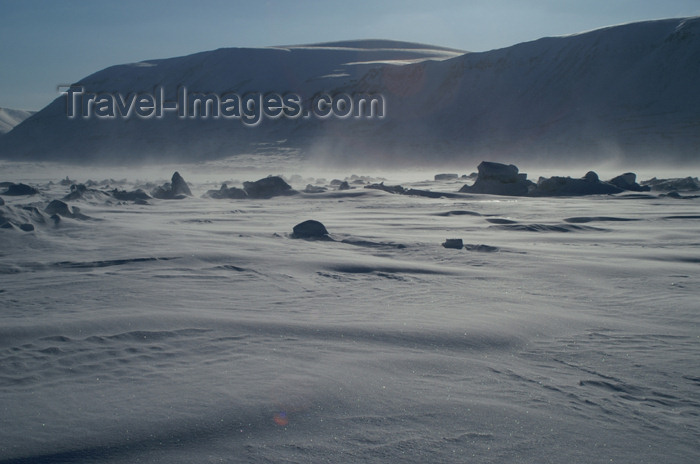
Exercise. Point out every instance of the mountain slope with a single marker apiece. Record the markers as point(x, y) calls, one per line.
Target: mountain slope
point(302, 69)
point(628, 91)
point(9, 118)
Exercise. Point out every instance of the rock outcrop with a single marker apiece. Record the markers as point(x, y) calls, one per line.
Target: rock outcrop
point(628, 181)
point(62, 209)
point(685, 184)
point(20, 190)
point(268, 187)
point(590, 184)
point(137, 195)
point(176, 189)
point(226, 192)
point(446, 176)
point(499, 179)
point(314, 189)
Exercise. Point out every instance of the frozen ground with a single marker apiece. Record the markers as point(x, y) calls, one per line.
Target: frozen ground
point(198, 330)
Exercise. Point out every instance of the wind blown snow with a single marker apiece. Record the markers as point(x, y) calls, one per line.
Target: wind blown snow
point(200, 330)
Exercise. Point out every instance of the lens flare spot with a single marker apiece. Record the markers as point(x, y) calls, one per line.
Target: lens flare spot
point(281, 419)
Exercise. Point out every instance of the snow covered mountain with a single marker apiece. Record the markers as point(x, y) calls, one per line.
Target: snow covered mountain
point(627, 91)
point(9, 118)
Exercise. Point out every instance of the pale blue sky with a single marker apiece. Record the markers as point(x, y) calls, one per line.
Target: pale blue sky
point(46, 43)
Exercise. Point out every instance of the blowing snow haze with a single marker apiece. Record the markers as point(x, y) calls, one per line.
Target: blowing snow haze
point(627, 91)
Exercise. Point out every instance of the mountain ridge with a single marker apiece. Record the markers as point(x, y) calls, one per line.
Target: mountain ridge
point(624, 91)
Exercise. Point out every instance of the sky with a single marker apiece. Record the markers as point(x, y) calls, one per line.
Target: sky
point(45, 43)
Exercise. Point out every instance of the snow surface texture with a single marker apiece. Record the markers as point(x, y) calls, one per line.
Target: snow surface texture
point(9, 118)
point(200, 330)
point(627, 91)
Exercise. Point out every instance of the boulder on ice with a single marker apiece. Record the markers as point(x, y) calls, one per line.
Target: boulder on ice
point(590, 184)
point(82, 192)
point(499, 179)
point(387, 188)
point(268, 187)
point(314, 189)
point(310, 229)
point(628, 181)
point(455, 243)
point(686, 184)
point(62, 209)
point(446, 176)
point(226, 192)
point(137, 195)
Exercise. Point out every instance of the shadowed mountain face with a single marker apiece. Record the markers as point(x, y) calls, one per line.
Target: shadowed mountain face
point(627, 91)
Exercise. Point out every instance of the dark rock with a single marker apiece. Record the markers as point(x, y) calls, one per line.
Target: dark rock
point(590, 184)
point(176, 189)
point(76, 191)
point(28, 227)
point(458, 212)
point(135, 195)
point(455, 243)
point(591, 176)
point(499, 179)
point(481, 248)
point(387, 188)
point(488, 170)
point(82, 192)
point(268, 187)
point(344, 185)
point(57, 207)
point(628, 181)
point(226, 192)
point(501, 221)
point(446, 176)
point(20, 189)
point(400, 190)
point(673, 194)
point(429, 193)
point(179, 186)
point(2, 202)
point(686, 184)
point(314, 189)
point(310, 229)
